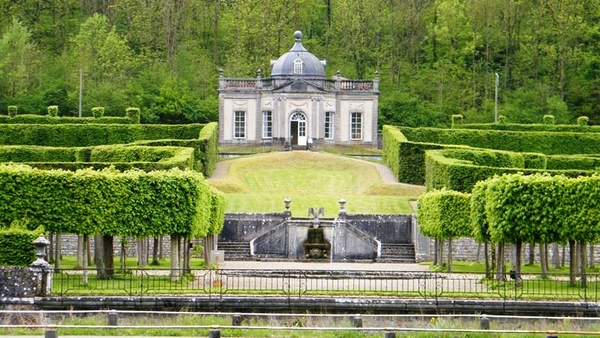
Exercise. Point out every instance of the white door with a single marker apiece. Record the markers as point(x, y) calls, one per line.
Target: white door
point(298, 128)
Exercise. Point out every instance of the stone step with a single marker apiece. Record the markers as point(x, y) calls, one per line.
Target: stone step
point(397, 253)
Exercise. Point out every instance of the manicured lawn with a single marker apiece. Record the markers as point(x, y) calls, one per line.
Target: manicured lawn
point(260, 183)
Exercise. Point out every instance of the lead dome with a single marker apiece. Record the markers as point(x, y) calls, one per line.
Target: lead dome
point(298, 62)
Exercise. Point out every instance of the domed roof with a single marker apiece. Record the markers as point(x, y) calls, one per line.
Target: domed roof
point(298, 62)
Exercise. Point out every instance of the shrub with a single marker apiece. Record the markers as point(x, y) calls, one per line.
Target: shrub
point(16, 244)
point(53, 111)
point(97, 112)
point(457, 119)
point(444, 214)
point(502, 119)
point(133, 114)
point(548, 119)
point(583, 120)
point(12, 111)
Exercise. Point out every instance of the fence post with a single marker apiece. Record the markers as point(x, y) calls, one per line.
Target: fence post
point(236, 320)
point(357, 321)
point(484, 323)
point(113, 318)
point(214, 333)
point(50, 334)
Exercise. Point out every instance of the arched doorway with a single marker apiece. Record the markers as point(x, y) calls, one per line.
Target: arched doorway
point(298, 129)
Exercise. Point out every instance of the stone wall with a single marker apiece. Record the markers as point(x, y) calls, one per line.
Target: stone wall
point(23, 282)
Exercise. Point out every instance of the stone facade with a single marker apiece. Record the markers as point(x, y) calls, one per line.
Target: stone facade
point(298, 106)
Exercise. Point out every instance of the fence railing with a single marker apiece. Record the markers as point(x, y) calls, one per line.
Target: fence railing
point(323, 283)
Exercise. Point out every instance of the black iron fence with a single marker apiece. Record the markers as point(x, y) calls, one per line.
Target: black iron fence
point(321, 283)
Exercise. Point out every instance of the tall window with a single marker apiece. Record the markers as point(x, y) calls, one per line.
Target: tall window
point(298, 64)
point(239, 124)
point(267, 131)
point(356, 126)
point(329, 116)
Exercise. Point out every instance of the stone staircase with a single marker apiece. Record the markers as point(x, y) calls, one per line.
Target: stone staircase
point(397, 253)
point(235, 251)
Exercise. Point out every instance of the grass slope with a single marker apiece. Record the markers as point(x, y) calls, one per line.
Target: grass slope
point(260, 183)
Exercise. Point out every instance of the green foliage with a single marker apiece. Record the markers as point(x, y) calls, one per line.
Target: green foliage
point(12, 111)
point(133, 114)
point(502, 119)
point(457, 119)
point(548, 119)
point(133, 203)
point(16, 245)
point(531, 127)
point(71, 135)
point(209, 138)
point(583, 120)
point(539, 208)
point(98, 112)
point(53, 111)
point(444, 214)
point(39, 119)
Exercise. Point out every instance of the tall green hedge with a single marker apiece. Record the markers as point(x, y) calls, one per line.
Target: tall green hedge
point(575, 128)
point(16, 246)
point(209, 138)
point(444, 214)
point(540, 208)
point(461, 169)
point(83, 135)
point(133, 203)
point(39, 119)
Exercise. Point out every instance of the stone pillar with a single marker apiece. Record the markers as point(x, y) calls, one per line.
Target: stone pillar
point(342, 213)
point(41, 268)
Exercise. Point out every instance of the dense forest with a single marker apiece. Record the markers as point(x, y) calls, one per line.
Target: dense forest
point(434, 58)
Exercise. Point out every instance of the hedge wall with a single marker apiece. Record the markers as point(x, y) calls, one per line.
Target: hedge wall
point(39, 119)
point(122, 157)
point(133, 203)
point(209, 138)
point(444, 214)
point(16, 246)
point(531, 142)
point(575, 128)
point(83, 135)
point(461, 169)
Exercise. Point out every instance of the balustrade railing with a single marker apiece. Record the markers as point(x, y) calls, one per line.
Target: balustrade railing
point(324, 283)
point(341, 85)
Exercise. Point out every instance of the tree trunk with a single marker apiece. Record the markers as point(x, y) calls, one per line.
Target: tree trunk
point(80, 252)
point(555, 256)
point(155, 251)
point(563, 257)
point(435, 252)
point(161, 254)
point(449, 265)
point(58, 254)
point(492, 259)
point(123, 256)
point(592, 264)
point(85, 251)
point(573, 263)
point(99, 257)
point(478, 253)
point(544, 260)
point(531, 254)
point(518, 259)
point(488, 268)
point(583, 260)
point(51, 248)
point(175, 263)
point(187, 246)
point(141, 252)
point(500, 266)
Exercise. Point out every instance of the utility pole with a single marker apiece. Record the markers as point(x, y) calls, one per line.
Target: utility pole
point(496, 99)
point(80, 89)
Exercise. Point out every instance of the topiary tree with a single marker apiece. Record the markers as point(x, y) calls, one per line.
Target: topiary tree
point(548, 119)
point(133, 114)
point(444, 215)
point(583, 120)
point(457, 119)
point(98, 112)
point(53, 111)
point(12, 111)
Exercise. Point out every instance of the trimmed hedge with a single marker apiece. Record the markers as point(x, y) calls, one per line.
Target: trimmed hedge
point(83, 135)
point(540, 208)
point(108, 202)
point(122, 157)
point(39, 119)
point(461, 169)
point(574, 128)
point(209, 138)
point(531, 142)
point(16, 246)
point(444, 214)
